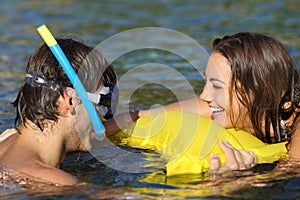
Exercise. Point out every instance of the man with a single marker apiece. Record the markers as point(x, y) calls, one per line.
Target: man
point(50, 119)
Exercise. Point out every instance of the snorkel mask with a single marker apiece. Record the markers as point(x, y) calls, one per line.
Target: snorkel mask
point(106, 98)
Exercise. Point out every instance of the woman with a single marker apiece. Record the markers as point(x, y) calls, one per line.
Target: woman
point(260, 85)
point(251, 84)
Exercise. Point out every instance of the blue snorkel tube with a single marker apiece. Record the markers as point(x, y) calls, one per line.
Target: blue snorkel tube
point(67, 67)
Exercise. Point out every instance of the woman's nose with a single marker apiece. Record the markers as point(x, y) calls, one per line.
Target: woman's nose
point(206, 94)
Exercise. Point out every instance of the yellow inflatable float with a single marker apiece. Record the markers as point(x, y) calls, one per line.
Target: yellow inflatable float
point(187, 141)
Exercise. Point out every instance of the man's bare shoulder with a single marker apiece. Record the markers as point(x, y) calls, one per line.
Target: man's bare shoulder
point(7, 133)
point(51, 174)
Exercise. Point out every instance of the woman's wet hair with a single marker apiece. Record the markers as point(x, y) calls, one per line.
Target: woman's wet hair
point(39, 104)
point(264, 79)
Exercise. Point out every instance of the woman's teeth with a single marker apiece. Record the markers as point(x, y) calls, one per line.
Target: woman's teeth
point(216, 110)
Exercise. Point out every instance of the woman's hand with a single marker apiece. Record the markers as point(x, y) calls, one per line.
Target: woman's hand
point(235, 159)
point(119, 121)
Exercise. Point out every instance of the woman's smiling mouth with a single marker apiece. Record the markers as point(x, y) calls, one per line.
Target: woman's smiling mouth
point(216, 112)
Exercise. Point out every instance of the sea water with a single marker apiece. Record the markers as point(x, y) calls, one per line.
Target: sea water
point(149, 76)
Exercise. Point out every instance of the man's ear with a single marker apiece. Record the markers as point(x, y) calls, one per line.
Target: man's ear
point(68, 95)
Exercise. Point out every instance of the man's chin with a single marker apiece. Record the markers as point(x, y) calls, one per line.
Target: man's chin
point(85, 147)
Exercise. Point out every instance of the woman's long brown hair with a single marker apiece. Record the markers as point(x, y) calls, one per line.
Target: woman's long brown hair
point(264, 78)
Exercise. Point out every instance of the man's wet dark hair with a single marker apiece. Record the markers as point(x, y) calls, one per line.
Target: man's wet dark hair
point(39, 104)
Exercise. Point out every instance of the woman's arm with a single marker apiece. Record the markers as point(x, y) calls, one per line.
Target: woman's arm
point(122, 120)
point(195, 105)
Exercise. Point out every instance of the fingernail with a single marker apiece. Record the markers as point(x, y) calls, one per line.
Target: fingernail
point(215, 156)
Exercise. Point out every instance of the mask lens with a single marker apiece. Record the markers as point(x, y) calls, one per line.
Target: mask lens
point(106, 100)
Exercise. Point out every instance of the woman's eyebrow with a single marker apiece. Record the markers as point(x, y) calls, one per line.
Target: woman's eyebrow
point(213, 79)
point(218, 80)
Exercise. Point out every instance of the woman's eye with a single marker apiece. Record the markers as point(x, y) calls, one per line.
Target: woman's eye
point(217, 87)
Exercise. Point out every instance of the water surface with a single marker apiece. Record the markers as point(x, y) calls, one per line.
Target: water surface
point(96, 21)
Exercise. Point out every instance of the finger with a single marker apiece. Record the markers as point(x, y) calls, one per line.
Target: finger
point(249, 158)
point(255, 158)
point(238, 157)
point(214, 163)
point(231, 160)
